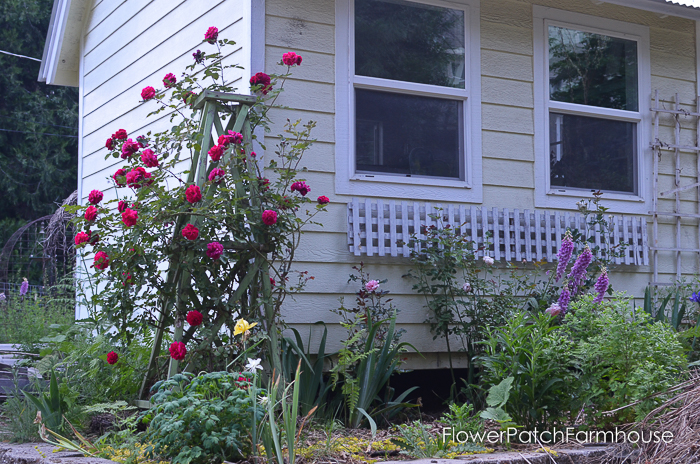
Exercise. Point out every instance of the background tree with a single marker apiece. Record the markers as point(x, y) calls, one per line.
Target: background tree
point(38, 122)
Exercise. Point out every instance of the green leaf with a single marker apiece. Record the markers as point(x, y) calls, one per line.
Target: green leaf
point(498, 394)
point(496, 414)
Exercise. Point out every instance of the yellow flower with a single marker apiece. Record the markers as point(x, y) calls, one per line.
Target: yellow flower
point(242, 326)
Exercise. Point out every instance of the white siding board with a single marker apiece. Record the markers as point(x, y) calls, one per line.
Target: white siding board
point(506, 92)
point(506, 65)
point(301, 35)
point(316, 67)
point(322, 11)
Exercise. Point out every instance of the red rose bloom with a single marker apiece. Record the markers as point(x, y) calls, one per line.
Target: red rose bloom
point(323, 200)
point(121, 207)
point(217, 175)
point(129, 148)
point(211, 35)
point(101, 260)
point(129, 217)
point(169, 80)
point(117, 175)
point(272, 282)
point(148, 93)
point(194, 318)
point(189, 97)
point(95, 197)
point(94, 238)
point(119, 135)
point(149, 158)
point(178, 351)
point(261, 82)
point(90, 213)
point(291, 59)
point(214, 250)
point(112, 357)
point(109, 144)
point(135, 177)
point(127, 279)
point(269, 217)
point(216, 152)
point(193, 194)
point(80, 238)
point(190, 232)
point(301, 187)
point(264, 183)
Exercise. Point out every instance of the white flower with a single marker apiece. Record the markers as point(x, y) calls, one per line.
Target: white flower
point(467, 287)
point(253, 365)
point(488, 260)
point(263, 400)
point(2, 296)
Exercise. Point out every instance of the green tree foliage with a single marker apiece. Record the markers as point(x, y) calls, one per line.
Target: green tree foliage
point(39, 122)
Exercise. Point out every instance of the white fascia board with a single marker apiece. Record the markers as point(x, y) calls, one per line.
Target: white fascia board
point(48, 42)
point(661, 7)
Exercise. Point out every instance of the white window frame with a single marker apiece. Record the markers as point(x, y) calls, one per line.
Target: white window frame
point(547, 196)
point(349, 182)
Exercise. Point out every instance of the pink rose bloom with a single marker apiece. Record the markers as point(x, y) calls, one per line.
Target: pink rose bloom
point(129, 217)
point(101, 260)
point(121, 173)
point(95, 197)
point(90, 213)
point(80, 238)
point(214, 250)
point(194, 318)
point(121, 207)
point(263, 81)
point(467, 287)
point(372, 285)
point(120, 135)
point(216, 152)
point(269, 217)
point(193, 194)
point(291, 59)
point(135, 177)
point(149, 158)
point(112, 357)
point(216, 175)
point(169, 80)
point(148, 93)
point(190, 232)
point(129, 148)
point(323, 200)
point(300, 187)
point(178, 351)
point(488, 260)
point(554, 310)
point(109, 144)
point(211, 35)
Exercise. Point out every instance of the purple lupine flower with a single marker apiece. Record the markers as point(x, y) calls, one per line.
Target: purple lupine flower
point(564, 299)
point(564, 255)
point(578, 270)
point(24, 288)
point(695, 297)
point(601, 286)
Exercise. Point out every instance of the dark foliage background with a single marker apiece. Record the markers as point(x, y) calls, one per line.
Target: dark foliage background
point(38, 162)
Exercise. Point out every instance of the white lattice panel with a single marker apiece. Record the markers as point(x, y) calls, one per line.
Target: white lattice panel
point(384, 228)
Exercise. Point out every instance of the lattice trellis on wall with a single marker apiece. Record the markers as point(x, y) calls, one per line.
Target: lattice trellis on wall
point(384, 228)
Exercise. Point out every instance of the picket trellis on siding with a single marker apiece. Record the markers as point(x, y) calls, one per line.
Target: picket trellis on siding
point(515, 235)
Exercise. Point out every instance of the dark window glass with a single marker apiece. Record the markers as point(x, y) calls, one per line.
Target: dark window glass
point(592, 153)
point(409, 41)
point(592, 69)
point(408, 135)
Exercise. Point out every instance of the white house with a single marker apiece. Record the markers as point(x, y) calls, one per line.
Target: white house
point(477, 105)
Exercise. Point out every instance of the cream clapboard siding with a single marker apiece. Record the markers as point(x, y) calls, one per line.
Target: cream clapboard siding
point(307, 27)
point(128, 45)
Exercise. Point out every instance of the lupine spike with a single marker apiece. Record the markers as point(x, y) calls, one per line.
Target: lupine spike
point(564, 298)
point(564, 255)
point(601, 286)
point(578, 270)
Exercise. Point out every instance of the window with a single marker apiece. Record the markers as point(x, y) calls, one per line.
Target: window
point(591, 77)
point(406, 114)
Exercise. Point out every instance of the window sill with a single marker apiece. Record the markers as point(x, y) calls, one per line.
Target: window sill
point(615, 202)
point(414, 188)
point(410, 180)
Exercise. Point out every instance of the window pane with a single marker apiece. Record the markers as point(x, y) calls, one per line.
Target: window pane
point(409, 41)
point(592, 153)
point(408, 135)
point(592, 69)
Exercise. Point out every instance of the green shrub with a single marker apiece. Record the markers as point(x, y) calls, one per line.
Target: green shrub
point(25, 320)
point(18, 414)
point(206, 419)
point(540, 358)
point(625, 357)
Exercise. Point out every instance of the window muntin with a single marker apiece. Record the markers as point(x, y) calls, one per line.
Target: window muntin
point(592, 69)
point(409, 41)
point(593, 103)
point(408, 135)
point(409, 90)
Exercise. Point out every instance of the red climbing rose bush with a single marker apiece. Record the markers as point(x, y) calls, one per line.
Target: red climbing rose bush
point(200, 224)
